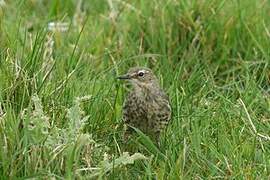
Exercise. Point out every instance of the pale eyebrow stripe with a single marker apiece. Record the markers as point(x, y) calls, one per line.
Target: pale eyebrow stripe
point(144, 71)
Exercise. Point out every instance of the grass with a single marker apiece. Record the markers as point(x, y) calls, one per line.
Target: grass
point(60, 114)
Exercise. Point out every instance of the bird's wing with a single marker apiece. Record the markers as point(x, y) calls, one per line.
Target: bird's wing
point(159, 114)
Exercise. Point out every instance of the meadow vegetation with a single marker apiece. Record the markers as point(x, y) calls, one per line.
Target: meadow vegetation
point(60, 101)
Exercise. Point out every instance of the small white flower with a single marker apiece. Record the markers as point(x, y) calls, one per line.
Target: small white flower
point(2, 3)
point(58, 26)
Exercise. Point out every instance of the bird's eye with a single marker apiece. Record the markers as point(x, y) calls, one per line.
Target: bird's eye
point(141, 73)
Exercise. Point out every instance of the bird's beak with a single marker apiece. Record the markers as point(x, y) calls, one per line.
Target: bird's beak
point(125, 76)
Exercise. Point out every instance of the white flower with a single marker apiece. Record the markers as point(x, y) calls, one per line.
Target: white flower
point(58, 26)
point(2, 3)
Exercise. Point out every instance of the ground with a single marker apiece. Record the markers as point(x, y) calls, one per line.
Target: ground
point(60, 114)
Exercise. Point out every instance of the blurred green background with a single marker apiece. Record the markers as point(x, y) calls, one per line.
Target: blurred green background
point(60, 113)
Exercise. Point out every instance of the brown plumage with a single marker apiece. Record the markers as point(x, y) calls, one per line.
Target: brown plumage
point(147, 106)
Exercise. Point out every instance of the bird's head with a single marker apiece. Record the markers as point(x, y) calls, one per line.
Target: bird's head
point(140, 77)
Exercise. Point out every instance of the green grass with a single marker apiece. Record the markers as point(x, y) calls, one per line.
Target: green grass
point(61, 104)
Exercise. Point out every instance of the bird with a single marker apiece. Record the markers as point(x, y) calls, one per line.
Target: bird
point(147, 106)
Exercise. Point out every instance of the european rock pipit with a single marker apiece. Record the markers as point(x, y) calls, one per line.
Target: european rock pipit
point(147, 106)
